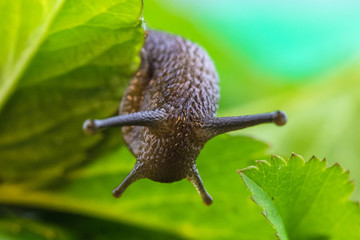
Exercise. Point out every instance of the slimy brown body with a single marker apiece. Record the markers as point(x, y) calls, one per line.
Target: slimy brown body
point(168, 112)
point(177, 77)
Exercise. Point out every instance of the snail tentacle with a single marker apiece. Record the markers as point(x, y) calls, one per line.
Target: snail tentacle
point(145, 118)
point(219, 125)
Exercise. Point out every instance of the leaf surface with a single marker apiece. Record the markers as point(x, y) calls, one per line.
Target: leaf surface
point(63, 62)
point(304, 200)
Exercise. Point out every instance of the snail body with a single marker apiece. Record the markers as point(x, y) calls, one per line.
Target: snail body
point(168, 112)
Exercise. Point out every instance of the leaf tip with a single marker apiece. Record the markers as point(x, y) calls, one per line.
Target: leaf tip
point(260, 162)
point(294, 155)
point(339, 168)
point(278, 161)
point(241, 171)
point(314, 158)
point(296, 159)
point(347, 172)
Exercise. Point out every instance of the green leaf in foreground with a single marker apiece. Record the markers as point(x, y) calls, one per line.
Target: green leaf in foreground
point(304, 200)
point(175, 208)
point(35, 224)
point(61, 62)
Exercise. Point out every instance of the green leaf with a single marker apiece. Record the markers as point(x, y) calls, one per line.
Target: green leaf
point(62, 62)
point(24, 25)
point(27, 224)
point(304, 200)
point(176, 208)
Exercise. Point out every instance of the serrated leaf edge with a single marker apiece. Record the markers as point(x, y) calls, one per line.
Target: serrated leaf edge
point(313, 158)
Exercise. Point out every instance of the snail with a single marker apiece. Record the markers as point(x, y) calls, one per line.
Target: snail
point(168, 112)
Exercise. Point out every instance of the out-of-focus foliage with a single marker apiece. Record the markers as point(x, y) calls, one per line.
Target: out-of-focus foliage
point(13, 227)
point(61, 62)
point(36, 224)
point(304, 200)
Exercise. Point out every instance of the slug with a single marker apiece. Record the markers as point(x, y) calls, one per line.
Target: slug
point(168, 112)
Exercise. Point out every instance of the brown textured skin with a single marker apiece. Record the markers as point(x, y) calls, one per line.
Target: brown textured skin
point(178, 77)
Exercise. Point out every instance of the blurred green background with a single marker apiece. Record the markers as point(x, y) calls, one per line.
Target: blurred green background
point(302, 57)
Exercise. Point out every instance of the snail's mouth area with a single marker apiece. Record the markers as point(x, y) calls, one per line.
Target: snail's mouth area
point(166, 179)
point(168, 175)
point(170, 169)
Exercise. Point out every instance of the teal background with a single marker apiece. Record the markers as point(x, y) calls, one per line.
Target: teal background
point(287, 40)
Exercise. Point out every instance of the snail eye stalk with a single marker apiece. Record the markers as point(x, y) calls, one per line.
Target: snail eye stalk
point(217, 126)
point(146, 118)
